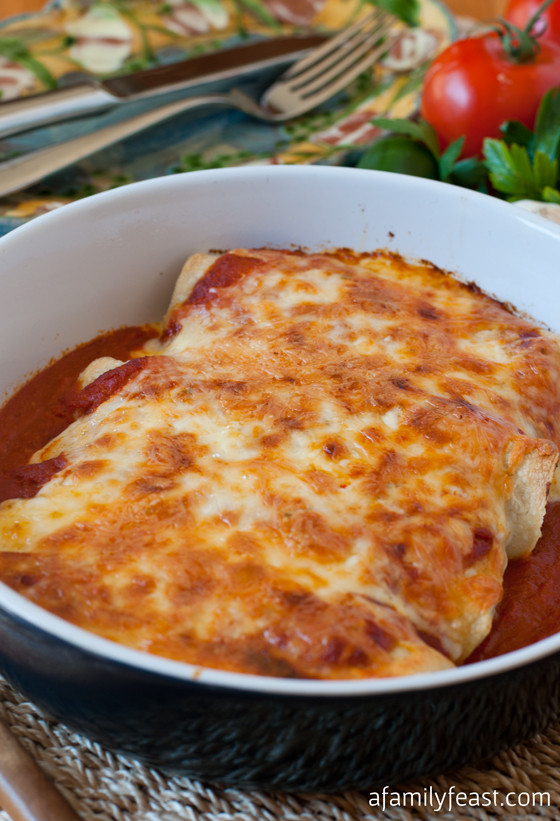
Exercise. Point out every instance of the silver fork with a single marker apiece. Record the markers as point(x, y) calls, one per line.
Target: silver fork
point(317, 77)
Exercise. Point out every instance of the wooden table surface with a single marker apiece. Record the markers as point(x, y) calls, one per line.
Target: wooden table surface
point(476, 8)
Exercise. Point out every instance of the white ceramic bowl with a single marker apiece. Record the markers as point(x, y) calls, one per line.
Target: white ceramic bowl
point(111, 260)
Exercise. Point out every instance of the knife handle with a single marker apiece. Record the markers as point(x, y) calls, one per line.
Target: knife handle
point(27, 169)
point(25, 791)
point(25, 113)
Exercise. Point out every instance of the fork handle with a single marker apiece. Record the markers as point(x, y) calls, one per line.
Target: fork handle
point(20, 172)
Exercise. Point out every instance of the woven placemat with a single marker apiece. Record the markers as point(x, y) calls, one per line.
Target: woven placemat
point(103, 786)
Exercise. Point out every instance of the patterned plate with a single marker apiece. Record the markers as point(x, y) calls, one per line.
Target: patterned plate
point(104, 39)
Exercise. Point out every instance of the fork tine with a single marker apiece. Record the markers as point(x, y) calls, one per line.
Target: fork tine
point(280, 103)
point(333, 44)
point(293, 95)
point(320, 75)
point(328, 89)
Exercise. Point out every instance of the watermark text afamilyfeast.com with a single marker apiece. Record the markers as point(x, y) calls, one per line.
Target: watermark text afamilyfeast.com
point(447, 800)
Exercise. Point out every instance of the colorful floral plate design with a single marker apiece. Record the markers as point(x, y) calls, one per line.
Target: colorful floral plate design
point(40, 51)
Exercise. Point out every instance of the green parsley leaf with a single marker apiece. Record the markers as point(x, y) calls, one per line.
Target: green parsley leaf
point(551, 195)
point(449, 158)
point(470, 173)
point(547, 126)
point(525, 165)
point(510, 170)
point(545, 171)
point(519, 134)
point(401, 154)
point(421, 131)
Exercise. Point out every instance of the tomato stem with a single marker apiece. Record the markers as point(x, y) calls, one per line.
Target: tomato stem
point(518, 44)
point(521, 45)
point(536, 15)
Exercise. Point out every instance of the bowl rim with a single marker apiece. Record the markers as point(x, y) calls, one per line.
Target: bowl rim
point(103, 649)
point(257, 173)
point(34, 616)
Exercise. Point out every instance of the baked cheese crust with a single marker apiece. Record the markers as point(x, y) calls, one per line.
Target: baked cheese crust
point(318, 469)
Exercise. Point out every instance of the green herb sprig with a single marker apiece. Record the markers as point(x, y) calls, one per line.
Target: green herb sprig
point(525, 164)
point(419, 134)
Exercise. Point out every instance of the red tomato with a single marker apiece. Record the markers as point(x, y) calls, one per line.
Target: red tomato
point(519, 12)
point(473, 86)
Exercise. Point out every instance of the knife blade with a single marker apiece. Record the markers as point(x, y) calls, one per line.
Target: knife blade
point(91, 95)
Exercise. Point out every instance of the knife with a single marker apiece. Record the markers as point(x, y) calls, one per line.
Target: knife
point(91, 95)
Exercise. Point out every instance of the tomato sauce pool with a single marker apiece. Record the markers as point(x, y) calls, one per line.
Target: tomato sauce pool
point(37, 412)
point(529, 610)
point(530, 607)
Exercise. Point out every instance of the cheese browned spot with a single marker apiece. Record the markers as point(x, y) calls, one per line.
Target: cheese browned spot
point(318, 469)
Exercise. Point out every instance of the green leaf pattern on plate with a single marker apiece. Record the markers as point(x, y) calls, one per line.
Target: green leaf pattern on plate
point(108, 38)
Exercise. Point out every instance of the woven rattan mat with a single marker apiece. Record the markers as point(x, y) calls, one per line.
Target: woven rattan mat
point(102, 786)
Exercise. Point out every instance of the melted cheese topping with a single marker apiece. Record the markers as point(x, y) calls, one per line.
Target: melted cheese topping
point(317, 470)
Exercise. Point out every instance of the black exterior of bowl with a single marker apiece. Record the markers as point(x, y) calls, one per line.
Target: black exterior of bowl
point(281, 742)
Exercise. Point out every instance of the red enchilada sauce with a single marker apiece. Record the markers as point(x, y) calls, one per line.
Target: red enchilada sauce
point(530, 607)
point(43, 407)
